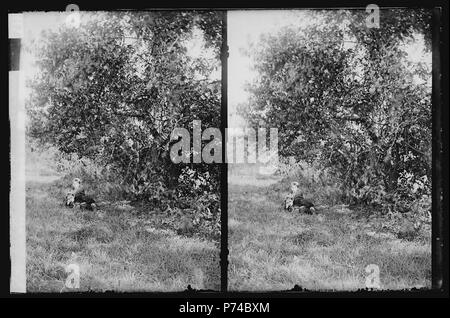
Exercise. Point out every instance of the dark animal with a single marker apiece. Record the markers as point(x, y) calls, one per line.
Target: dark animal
point(78, 195)
point(303, 204)
point(295, 200)
point(85, 201)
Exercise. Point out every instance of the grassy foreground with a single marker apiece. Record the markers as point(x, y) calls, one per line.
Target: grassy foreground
point(271, 249)
point(116, 248)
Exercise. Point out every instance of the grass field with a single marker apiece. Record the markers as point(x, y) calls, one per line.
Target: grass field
point(116, 248)
point(271, 249)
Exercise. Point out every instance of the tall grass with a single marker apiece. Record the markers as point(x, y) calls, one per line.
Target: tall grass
point(271, 249)
point(119, 247)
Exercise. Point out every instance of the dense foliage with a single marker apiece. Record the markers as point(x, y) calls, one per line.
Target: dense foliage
point(113, 89)
point(347, 97)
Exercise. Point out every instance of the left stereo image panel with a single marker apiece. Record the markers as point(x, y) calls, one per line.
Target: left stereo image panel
point(100, 200)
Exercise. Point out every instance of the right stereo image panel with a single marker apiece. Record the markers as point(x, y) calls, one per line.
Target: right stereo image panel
point(329, 149)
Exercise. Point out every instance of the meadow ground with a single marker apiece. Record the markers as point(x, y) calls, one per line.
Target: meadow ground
point(271, 249)
point(116, 248)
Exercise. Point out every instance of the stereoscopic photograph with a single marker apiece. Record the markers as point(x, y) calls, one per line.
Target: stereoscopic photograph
point(344, 203)
point(106, 207)
point(210, 152)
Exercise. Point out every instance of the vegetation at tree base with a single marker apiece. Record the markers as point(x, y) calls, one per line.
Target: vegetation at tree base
point(346, 98)
point(111, 91)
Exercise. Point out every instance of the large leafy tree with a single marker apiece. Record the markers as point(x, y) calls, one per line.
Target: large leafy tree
point(363, 110)
point(114, 88)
